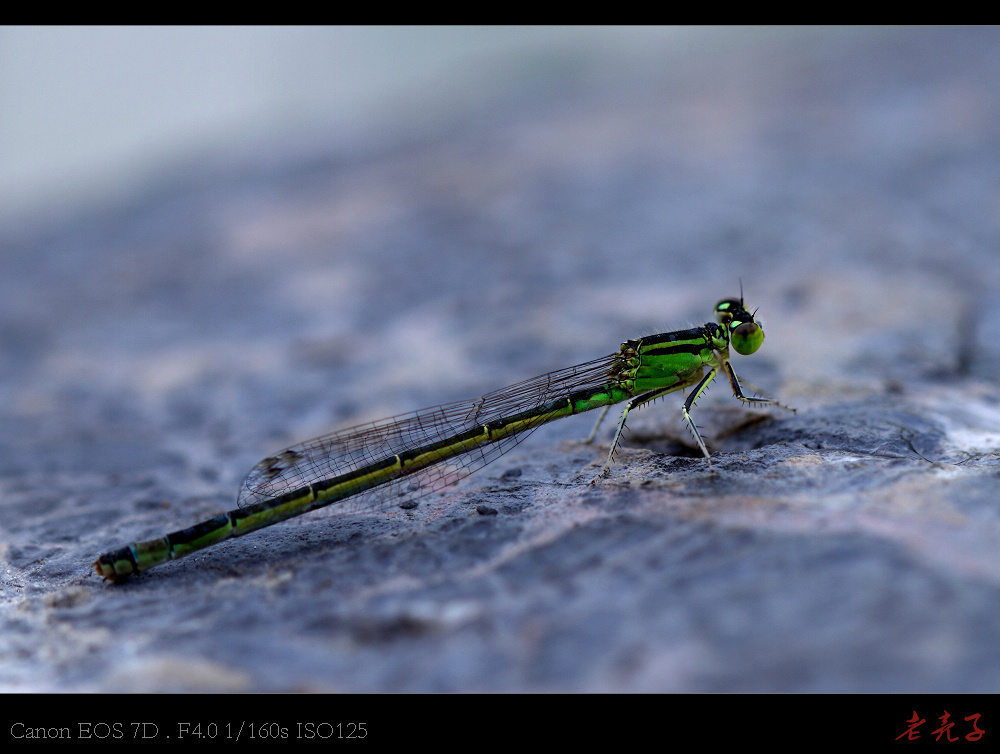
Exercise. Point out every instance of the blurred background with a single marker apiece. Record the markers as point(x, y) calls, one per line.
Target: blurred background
point(215, 243)
point(89, 112)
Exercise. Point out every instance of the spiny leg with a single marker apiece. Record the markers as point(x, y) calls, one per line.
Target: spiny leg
point(633, 404)
point(699, 389)
point(597, 425)
point(738, 391)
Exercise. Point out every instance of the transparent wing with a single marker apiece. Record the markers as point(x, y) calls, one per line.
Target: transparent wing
point(369, 444)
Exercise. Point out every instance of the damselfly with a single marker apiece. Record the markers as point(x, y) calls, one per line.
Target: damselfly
point(413, 454)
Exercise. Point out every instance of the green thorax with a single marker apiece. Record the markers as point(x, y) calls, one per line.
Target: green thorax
point(659, 361)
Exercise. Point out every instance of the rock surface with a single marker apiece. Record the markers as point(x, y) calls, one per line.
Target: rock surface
point(151, 354)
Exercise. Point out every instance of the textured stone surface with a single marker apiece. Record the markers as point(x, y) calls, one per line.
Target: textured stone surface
point(151, 354)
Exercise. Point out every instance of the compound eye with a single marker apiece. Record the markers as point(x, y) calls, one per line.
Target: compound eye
point(747, 337)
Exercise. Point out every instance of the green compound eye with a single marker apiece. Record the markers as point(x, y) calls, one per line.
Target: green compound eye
point(747, 337)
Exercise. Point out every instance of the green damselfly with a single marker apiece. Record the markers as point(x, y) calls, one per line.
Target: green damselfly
point(407, 456)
